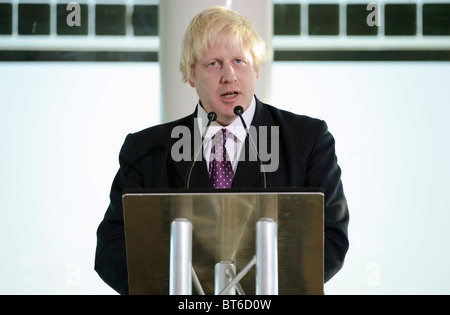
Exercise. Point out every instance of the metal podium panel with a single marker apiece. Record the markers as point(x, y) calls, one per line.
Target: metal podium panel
point(223, 229)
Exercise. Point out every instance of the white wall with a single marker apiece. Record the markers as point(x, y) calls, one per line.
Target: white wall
point(390, 122)
point(62, 126)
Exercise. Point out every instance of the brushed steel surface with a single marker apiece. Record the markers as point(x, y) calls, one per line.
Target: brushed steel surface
point(223, 225)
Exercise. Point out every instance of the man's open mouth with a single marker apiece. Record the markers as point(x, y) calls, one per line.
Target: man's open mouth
point(230, 94)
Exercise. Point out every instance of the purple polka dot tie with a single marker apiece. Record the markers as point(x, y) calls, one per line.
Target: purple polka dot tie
point(220, 169)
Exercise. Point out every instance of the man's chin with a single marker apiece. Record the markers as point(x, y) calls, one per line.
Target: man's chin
point(225, 120)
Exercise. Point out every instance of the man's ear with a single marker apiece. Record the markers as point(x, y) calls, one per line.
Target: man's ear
point(191, 83)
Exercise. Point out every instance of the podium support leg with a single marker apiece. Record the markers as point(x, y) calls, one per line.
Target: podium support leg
point(266, 257)
point(222, 277)
point(180, 276)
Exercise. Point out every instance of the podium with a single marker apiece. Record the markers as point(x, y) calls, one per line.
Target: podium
point(234, 241)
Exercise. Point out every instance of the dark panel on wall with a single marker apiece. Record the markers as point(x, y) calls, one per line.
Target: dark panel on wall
point(5, 19)
point(110, 19)
point(286, 19)
point(145, 20)
point(63, 28)
point(436, 19)
point(323, 19)
point(400, 19)
point(34, 19)
point(357, 21)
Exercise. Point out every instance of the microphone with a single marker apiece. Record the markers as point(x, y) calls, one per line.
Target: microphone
point(212, 116)
point(238, 110)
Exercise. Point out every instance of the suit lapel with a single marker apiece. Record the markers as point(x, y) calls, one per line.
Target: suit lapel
point(247, 172)
point(199, 175)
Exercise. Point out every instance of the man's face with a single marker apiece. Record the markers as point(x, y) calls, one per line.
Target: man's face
point(224, 77)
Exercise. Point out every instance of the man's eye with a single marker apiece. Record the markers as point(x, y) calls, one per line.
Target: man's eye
point(213, 64)
point(239, 61)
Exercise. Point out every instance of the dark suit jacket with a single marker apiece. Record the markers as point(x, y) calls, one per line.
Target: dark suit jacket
point(306, 159)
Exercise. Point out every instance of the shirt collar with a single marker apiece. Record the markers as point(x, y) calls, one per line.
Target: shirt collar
point(236, 127)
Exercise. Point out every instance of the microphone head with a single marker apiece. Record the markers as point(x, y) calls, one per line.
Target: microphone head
point(238, 110)
point(212, 116)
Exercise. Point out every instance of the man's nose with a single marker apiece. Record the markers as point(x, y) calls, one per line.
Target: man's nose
point(228, 74)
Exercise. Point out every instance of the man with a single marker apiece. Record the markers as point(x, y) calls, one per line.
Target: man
point(220, 58)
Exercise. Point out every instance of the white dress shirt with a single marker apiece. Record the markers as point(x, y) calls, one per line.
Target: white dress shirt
point(235, 136)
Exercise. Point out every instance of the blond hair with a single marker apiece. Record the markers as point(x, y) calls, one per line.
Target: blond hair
point(219, 25)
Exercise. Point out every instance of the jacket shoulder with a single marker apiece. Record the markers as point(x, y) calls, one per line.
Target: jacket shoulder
point(152, 141)
point(158, 134)
point(292, 120)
